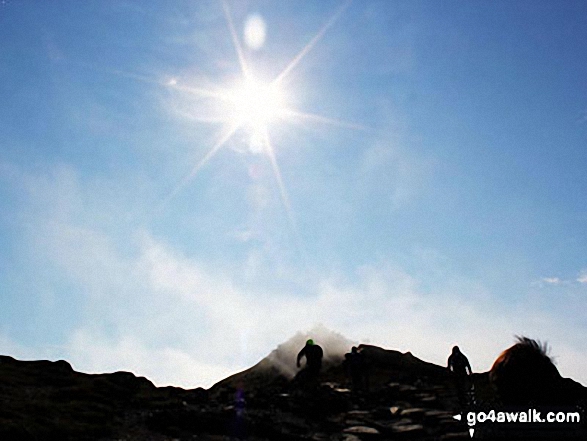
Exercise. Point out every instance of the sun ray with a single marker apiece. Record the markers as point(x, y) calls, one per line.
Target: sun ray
point(308, 47)
point(169, 83)
point(279, 179)
point(186, 180)
point(285, 199)
point(323, 119)
point(206, 93)
point(201, 119)
point(235, 40)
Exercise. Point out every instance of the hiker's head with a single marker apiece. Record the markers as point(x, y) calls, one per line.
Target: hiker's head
point(525, 373)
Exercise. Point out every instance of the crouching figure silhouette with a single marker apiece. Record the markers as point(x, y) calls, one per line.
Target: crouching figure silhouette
point(313, 354)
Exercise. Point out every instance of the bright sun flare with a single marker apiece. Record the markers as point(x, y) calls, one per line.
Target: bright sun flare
point(255, 105)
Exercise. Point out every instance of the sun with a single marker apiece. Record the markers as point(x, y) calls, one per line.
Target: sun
point(254, 105)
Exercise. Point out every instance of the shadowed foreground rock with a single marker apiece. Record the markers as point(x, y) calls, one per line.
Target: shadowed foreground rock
point(407, 399)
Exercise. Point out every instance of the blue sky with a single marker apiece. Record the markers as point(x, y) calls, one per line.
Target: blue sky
point(421, 184)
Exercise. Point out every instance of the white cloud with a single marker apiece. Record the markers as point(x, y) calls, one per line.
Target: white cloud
point(178, 320)
point(556, 281)
point(189, 325)
point(234, 329)
point(206, 327)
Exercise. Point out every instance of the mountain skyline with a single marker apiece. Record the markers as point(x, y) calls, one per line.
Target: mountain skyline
point(400, 395)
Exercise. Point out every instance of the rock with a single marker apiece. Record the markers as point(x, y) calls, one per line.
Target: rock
point(455, 436)
point(426, 398)
point(350, 437)
point(342, 390)
point(358, 413)
point(395, 410)
point(438, 413)
point(363, 432)
point(411, 430)
point(414, 413)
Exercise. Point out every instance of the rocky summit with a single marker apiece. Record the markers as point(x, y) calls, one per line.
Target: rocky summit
point(402, 398)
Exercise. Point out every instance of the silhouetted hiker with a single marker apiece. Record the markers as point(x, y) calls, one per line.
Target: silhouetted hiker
point(356, 366)
point(459, 365)
point(313, 354)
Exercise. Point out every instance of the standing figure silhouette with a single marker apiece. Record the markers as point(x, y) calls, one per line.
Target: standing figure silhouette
point(459, 365)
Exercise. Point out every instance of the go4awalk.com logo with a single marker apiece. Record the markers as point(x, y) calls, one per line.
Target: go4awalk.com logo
point(531, 417)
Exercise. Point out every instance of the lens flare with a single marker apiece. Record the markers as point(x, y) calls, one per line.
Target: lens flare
point(255, 32)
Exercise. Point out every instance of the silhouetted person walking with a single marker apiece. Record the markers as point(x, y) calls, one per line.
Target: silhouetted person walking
point(459, 365)
point(355, 365)
point(313, 354)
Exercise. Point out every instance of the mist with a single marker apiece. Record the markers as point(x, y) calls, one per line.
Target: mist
point(334, 345)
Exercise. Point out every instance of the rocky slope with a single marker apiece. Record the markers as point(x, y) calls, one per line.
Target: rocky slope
point(407, 399)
